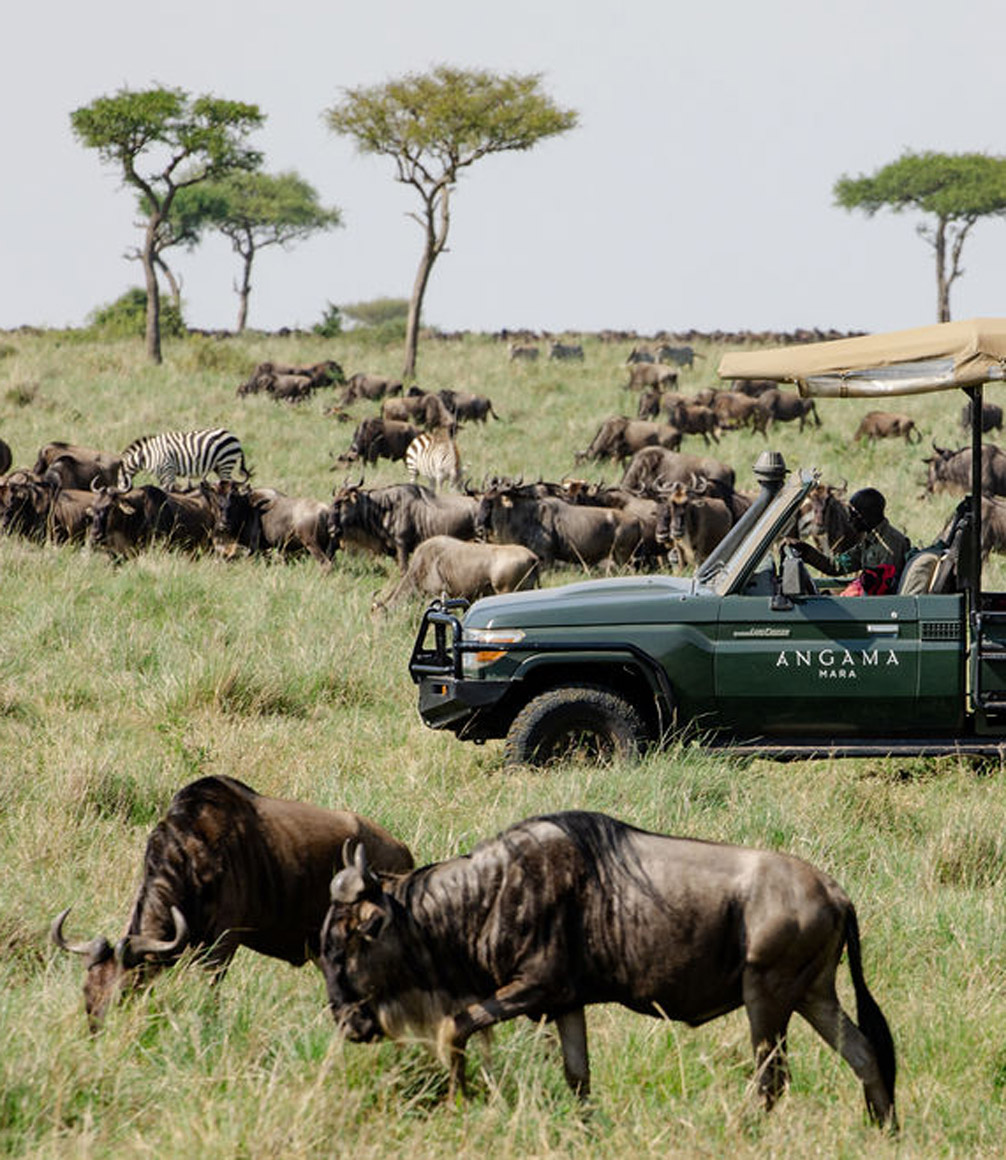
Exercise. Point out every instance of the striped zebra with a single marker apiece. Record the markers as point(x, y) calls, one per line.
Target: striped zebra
point(435, 455)
point(191, 453)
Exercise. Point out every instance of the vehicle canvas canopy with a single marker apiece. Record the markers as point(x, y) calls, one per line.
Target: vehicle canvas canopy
point(903, 362)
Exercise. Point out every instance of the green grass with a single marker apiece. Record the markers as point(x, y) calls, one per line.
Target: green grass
point(120, 684)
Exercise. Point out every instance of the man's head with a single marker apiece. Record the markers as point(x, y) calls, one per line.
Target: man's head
point(867, 508)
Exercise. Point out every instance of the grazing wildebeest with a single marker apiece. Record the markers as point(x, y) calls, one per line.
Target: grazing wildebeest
point(619, 438)
point(557, 530)
point(562, 911)
point(228, 867)
point(691, 522)
point(565, 350)
point(522, 352)
point(951, 470)
point(992, 417)
point(426, 408)
point(367, 386)
point(656, 467)
point(268, 377)
point(78, 467)
point(265, 520)
point(786, 407)
point(467, 407)
point(123, 522)
point(376, 438)
point(887, 425)
point(651, 375)
point(393, 520)
point(446, 565)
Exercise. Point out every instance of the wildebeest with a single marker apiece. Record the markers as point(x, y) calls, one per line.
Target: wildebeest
point(951, 470)
point(228, 867)
point(682, 356)
point(369, 386)
point(692, 522)
point(6, 457)
point(522, 352)
point(887, 425)
point(992, 417)
point(787, 407)
point(993, 526)
point(650, 375)
point(393, 520)
point(445, 565)
point(565, 910)
point(376, 438)
point(656, 467)
point(78, 467)
point(566, 350)
point(556, 530)
point(619, 438)
point(466, 406)
point(736, 410)
point(640, 354)
point(276, 379)
point(123, 522)
point(426, 408)
point(263, 519)
point(39, 509)
point(692, 418)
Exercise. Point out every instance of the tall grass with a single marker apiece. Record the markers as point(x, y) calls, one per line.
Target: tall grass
point(120, 684)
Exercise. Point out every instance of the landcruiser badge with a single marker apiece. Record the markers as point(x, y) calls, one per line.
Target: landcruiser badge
point(746, 632)
point(836, 663)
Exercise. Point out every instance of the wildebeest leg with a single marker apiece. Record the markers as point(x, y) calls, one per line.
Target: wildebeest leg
point(824, 1013)
point(572, 1028)
point(768, 1019)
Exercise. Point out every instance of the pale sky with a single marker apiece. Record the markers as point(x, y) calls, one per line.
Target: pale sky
point(696, 192)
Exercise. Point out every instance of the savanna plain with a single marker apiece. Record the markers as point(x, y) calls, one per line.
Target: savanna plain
point(121, 683)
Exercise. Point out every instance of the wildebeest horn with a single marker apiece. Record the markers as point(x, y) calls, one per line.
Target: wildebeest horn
point(132, 948)
point(92, 947)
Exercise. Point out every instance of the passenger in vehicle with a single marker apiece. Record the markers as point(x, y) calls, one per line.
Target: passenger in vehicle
point(877, 557)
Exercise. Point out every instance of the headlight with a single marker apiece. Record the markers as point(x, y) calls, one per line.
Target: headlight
point(471, 662)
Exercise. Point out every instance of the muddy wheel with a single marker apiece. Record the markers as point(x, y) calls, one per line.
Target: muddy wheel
point(575, 723)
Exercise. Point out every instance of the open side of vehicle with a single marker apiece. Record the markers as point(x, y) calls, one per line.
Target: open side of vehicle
point(750, 653)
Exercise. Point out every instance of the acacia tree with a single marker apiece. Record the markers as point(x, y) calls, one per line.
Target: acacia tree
point(432, 126)
point(165, 140)
point(254, 210)
point(956, 189)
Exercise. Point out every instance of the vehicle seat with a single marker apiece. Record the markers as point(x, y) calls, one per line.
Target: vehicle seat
point(917, 575)
point(945, 576)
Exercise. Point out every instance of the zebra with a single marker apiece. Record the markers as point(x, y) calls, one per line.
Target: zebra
point(191, 453)
point(435, 455)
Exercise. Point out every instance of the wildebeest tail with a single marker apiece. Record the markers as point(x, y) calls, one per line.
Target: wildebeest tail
point(868, 1014)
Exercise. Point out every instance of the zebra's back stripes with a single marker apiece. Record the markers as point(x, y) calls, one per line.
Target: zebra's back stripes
point(191, 453)
point(434, 455)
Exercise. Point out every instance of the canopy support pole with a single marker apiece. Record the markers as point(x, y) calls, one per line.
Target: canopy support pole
point(975, 394)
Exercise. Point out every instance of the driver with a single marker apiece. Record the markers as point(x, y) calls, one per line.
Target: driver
point(879, 548)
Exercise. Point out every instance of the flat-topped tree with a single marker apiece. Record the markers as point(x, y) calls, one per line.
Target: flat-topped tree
point(165, 140)
point(432, 126)
point(955, 189)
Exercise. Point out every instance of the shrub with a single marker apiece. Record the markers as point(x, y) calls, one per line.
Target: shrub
point(126, 317)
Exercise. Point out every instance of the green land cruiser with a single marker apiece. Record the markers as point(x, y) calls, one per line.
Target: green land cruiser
point(749, 653)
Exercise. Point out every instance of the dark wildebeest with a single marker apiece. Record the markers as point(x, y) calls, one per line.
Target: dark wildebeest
point(228, 867)
point(6, 457)
point(619, 438)
point(564, 350)
point(754, 387)
point(268, 377)
point(736, 410)
point(264, 520)
point(467, 407)
point(639, 507)
point(557, 530)
point(123, 522)
point(693, 523)
point(367, 386)
point(393, 520)
point(640, 354)
point(992, 417)
point(445, 565)
point(376, 438)
point(426, 408)
point(681, 356)
point(993, 526)
point(651, 375)
point(522, 352)
point(656, 467)
point(692, 418)
point(787, 407)
point(39, 509)
point(887, 425)
point(562, 911)
point(951, 470)
point(78, 467)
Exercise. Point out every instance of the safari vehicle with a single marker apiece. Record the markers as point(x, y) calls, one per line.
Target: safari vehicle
point(749, 653)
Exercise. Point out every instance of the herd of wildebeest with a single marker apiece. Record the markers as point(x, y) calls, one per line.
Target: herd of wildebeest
point(559, 911)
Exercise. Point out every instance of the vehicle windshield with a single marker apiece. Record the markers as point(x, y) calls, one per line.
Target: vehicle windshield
point(732, 574)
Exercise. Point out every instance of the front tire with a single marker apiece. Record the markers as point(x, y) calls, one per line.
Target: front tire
point(575, 723)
